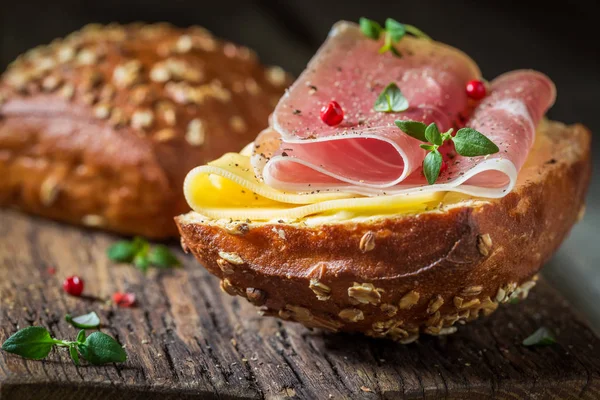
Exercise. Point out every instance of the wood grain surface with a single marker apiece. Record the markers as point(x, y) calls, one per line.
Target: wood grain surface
point(187, 339)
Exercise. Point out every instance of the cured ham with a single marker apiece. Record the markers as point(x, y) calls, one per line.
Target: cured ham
point(366, 149)
point(367, 154)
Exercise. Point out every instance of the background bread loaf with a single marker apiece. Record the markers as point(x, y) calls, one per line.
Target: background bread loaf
point(100, 128)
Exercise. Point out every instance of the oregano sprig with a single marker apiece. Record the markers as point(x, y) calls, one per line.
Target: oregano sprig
point(35, 342)
point(393, 32)
point(468, 143)
point(139, 253)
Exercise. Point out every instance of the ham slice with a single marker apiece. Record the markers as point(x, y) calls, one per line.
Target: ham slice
point(366, 149)
point(367, 154)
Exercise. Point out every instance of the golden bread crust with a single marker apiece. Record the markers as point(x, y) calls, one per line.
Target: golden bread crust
point(395, 277)
point(101, 127)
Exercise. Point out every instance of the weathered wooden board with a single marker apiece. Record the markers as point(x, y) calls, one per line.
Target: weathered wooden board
point(186, 339)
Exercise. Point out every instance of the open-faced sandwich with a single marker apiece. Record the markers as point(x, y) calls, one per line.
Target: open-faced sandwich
point(101, 128)
point(394, 193)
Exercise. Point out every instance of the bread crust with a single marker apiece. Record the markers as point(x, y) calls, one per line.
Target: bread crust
point(404, 275)
point(100, 128)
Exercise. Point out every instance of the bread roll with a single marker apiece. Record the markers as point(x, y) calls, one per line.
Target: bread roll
point(397, 276)
point(100, 128)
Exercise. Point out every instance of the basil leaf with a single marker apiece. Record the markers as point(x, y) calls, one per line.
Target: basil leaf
point(432, 133)
point(391, 100)
point(141, 261)
point(33, 342)
point(161, 256)
point(413, 128)
point(413, 30)
point(74, 354)
point(81, 336)
point(123, 251)
point(541, 337)
point(99, 348)
point(470, 143)
point(395, 29)
point(432, 165)
point(370, 28)
point(427, 147)
point(86, 321)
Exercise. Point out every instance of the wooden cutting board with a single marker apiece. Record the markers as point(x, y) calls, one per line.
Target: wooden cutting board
point(187, 339)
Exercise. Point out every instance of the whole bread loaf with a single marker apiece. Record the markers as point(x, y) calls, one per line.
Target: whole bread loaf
point(100, 128)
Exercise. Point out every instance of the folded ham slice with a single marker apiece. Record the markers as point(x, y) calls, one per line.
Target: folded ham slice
point(367, 154)
point(366, 148)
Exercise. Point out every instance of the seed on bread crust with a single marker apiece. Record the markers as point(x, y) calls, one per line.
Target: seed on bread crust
point(165, 135)
point(471, 291)
point(367, 242)
point(300, 314)
point(256, 296)
point(389, 309)
point(409, 300)
point(460, 303)
point(102, 111)
point(237, 124)
point(126, 74)
point(500, 295)
point(67, 91)
point(94, 221)
point(441, 331)
point(365, 293)
point(142, 119)
point(231, 289)
point(435, 304)
point(484, 244)
point(49, 191)
point(324, 323)
point(233, 258)
point(322, 291)
point(275, 75)
point(195, 134)
point(580, 214)
point(225, 266)
point(51, 82)
point(351, 314)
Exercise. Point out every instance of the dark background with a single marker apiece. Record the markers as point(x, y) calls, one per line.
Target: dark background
point(561, 39)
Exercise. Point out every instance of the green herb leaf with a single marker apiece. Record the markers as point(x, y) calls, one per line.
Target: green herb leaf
point(391, 100)
point(81, 336)
point(470, 143)
point(32, 342)
point(413, 128)
point(541, 337)
point(141, 262)
point(122, 251)
point(86, 321)
point(162, 257)
point(370, 28)
point(432, 165)
point(395, 29)
point(99, 348)
point(74, 354)
point(433, 135)
point(416, 32)
point(427, 147)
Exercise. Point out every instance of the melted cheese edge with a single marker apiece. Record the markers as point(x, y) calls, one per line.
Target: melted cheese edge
point(227, 188)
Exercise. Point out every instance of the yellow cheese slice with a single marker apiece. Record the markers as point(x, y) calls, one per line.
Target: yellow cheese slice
point(227, 188)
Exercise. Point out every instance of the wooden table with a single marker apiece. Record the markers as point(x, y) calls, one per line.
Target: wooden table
point(186, 339)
